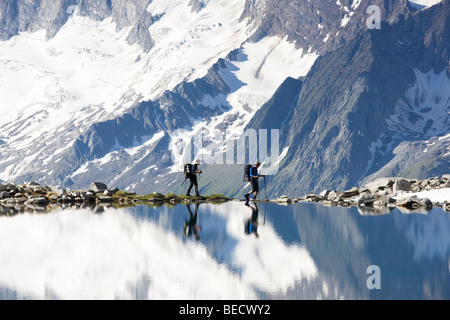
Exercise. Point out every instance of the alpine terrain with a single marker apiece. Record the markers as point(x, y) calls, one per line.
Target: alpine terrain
point(118, 91)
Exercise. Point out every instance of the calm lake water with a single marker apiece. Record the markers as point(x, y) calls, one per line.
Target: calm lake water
point(303, 251)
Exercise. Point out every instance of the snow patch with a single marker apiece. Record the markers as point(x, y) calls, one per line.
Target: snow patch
point(420, 4)
point(424, 110)
point(438, 196)
point(259, 69)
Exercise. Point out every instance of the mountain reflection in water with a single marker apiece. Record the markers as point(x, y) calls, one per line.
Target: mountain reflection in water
point(301, 251)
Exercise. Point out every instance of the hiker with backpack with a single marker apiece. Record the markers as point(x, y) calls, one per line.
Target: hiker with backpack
point(190, 172)
point(252, 176)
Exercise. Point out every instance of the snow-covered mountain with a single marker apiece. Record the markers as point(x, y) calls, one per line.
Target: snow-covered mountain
point(107, 90)
point(377, 106)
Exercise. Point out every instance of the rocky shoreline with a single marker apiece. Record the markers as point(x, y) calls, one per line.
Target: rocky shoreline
point(385, 193)
point(37, 197)
point(379, 196)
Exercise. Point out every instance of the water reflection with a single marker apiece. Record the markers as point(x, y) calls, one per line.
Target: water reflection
point(191, 226)
point(251, 224)
point(301, 251)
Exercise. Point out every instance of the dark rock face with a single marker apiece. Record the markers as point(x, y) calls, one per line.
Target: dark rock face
point(278, 110)
point(20, 15)
point(320, 25)
point(34, 15)
point(339, 133)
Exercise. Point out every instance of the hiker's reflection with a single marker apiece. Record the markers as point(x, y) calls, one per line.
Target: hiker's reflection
point(191, 227)
point(251, 225)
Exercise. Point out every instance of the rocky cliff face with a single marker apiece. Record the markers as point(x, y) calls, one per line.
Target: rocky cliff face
point(31, 16)
point(320, 25)
point(363, 104)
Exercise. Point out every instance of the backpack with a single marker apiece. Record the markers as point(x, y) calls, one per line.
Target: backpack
point(188, 170)
point(247, 168)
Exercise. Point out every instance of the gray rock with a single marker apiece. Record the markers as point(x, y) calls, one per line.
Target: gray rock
point(351, 193)
point(4, 195)
point(325, 193)
point(414, 202)
point(59, 191)
point(366, 200)
point(380, 184)
point(402, 185)
point(98, 187)
point(334, 194)
point(379, 200)
point(446, 207)
point(114, 191)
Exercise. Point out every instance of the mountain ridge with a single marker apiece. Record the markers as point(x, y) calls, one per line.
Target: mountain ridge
point(132, 141)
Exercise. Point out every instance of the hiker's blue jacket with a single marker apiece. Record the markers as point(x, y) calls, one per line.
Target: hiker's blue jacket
point(253, 172)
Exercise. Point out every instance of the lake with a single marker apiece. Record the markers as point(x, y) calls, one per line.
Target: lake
point(301, 251)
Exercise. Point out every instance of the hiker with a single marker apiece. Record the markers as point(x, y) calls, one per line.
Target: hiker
point(191, 174)
point(251, 225)
point(190, 226)
point(253, 179)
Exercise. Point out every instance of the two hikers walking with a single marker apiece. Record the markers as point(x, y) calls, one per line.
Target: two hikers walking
point(250, 174)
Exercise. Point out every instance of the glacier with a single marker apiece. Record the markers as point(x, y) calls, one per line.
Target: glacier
point(89, 73)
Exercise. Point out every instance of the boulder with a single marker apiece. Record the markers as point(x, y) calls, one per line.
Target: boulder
point(4, 195)
point(414, 202)
point(113, 191)
point(98, 187)
point(325, 194)
point(59, 191)
point(376, 200)
point(401, 185)
point(286, 199)
point(33, 184)
point(334, 194)
point(446, 207)
point(380, 184)
point(366, 200)
point(351, 193)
